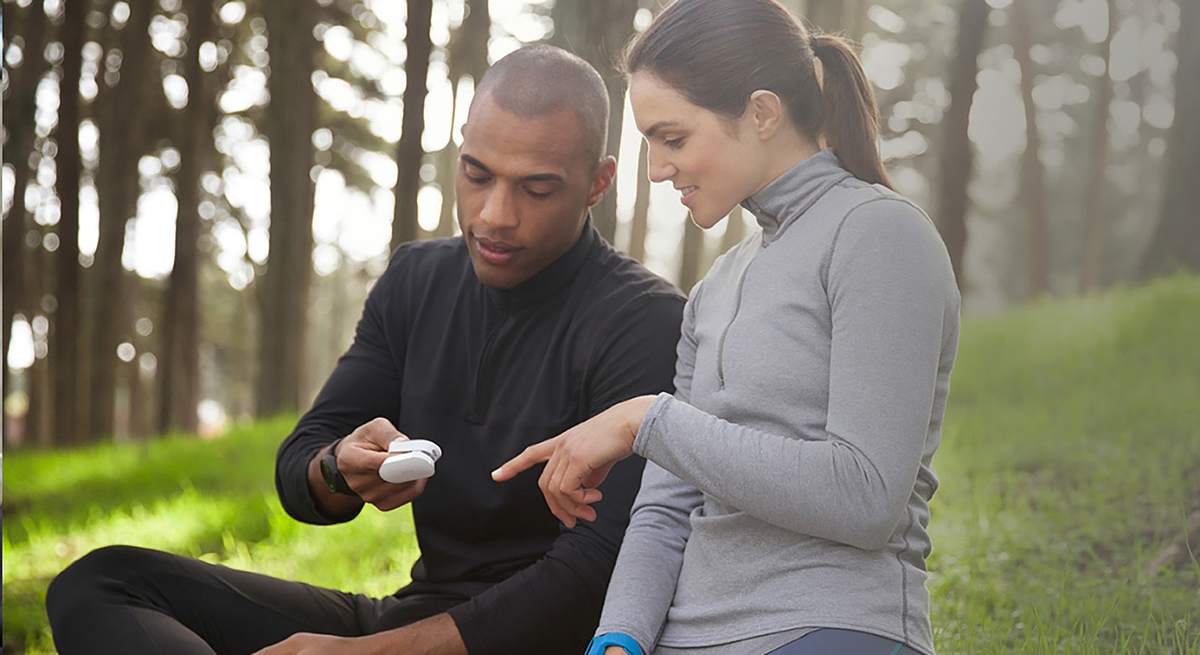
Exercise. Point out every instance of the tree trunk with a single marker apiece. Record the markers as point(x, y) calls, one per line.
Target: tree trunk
point(39, 419)
point(641, 205)
point(956, 159)
point(469, 43)
point(117, 189)
point(1176, 242)
point(468, 56)
point(181, 327)
point(597, 31)
point(846, 17)
point(409, 151)
point(693, 255)
point(20, 106)
point(1033, 174)
point(735, 229)
point(64, 335)
point(284, 292)
point(1095, 220)
point(446, 161)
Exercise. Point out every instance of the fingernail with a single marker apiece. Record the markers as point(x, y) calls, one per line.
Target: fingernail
point(496, 473)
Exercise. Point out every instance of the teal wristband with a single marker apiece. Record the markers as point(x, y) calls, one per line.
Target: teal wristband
point(600, 642)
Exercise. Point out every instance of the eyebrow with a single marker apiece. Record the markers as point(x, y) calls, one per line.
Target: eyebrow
point(537, 177)
point(658, 126)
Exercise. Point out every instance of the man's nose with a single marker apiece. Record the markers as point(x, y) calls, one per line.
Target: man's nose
point(659, 168)
point(499, 211)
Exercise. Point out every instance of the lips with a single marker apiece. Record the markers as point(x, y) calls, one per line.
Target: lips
point(687, 193)
point(496, 253)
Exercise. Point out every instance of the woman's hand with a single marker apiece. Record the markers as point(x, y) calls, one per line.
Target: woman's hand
point(578, 460)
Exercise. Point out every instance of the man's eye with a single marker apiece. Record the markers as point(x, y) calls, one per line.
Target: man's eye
point(536, 193)
point(476, 179)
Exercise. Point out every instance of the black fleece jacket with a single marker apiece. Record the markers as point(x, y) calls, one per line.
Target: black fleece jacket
point(484, 373)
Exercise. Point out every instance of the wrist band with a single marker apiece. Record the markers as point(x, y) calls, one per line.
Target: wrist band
point(600, 642)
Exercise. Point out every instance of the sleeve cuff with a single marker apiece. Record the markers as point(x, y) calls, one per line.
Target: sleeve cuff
point(626, 642)
point(646, 429)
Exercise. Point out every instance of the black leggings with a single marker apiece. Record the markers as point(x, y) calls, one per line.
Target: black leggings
point(122, 599)
point(829, 641)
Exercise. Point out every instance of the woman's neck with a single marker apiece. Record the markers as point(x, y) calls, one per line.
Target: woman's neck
point(783, 152)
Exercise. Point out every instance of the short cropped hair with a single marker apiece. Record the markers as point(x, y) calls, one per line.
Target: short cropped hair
point(542, 79)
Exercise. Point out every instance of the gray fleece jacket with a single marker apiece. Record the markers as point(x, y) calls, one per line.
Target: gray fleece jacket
point(789, 476)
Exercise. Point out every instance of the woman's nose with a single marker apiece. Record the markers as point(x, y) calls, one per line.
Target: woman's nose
point(659, 168)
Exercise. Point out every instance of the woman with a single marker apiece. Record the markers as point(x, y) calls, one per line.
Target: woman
point(784, 503)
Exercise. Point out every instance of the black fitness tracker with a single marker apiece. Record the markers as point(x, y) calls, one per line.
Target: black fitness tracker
point(333, 477)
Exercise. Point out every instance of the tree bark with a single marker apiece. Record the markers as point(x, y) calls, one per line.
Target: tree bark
point(39, 421)
point(446, 162)
point(1095, 220)
point(1033, 174)
point(1176, 242)
point(290, 122)
point(64, 335)
point(956, 160)
point(409, 151)
point(118, 187)
point(846, 17)
point(641, 205)
point(468, 56)
point(181, 327)
point(20, 106)
point(735, 229)
point(693, 255)
point(597, 31)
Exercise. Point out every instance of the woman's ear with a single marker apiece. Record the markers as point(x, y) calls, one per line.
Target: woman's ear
point(766, 113)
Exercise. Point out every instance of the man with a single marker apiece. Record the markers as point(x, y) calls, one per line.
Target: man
point(527, 325)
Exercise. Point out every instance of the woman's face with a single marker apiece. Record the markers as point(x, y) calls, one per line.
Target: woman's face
point(714, 162)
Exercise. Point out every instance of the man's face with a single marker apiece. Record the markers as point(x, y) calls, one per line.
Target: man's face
point(524, 186)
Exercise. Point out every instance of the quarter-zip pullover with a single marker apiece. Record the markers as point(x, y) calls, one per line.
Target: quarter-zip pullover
point(789, 476)
point(485, 373)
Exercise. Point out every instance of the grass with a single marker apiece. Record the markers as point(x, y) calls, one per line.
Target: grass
point(1070, 458)
point(210, 499)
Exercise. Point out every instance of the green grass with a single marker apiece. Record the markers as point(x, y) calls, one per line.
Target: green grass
point(210, 499)
point(1070, 458)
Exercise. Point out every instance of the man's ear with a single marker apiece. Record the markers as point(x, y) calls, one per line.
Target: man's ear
point(602, 179)
point(766, 113)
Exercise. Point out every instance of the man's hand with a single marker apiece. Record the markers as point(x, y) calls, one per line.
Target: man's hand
point(359, 456)
point(303, 643)
point(436, 635)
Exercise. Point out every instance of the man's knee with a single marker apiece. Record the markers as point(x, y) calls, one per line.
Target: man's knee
point(101, 572)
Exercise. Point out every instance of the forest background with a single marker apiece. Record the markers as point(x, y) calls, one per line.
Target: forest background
point(183, 256)
point(180, 251)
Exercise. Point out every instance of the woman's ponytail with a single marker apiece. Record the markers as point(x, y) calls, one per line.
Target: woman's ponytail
point(717, 54)
point(850, 120)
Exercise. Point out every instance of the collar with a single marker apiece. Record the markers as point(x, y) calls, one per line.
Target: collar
point(788, 196)
point(551, 279)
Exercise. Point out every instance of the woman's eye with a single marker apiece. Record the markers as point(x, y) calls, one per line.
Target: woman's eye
point(673, 144)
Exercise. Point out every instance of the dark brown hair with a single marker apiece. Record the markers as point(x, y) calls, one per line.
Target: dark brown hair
point(717, 53)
